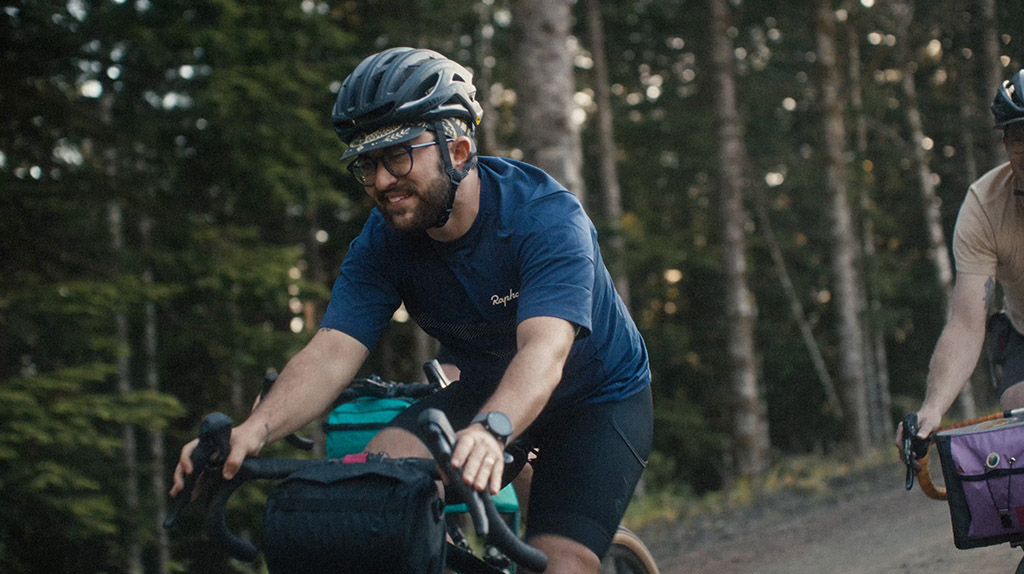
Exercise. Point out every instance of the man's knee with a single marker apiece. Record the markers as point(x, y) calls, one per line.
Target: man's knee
point(1013, 397)
point(398, 443)
point(566, 555)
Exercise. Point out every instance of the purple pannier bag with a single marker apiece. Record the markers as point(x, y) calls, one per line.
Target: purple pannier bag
point(983, 467)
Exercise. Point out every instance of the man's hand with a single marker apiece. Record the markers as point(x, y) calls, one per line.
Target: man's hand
point(184, 467)
point(243, 444)
point(481, 458)
point(543, 345)
point(927, 422)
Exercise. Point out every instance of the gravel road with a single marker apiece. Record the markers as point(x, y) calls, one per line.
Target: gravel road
point(865, 524)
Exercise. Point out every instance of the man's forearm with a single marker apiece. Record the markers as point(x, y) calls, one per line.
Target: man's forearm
point(532, 376)
point(955, 357)
point(307, 386)
point(959, 345)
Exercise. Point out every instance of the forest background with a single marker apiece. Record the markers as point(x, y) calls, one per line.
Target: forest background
point(775, 185)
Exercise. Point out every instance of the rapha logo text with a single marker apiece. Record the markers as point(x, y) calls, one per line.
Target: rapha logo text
point(504, 299)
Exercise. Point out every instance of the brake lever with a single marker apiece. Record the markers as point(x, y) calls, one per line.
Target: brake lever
point(440, 435)
point(914, 447)
point(214, 445)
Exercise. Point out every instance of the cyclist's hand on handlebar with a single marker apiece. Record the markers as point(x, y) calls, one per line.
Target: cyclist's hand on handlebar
point(242, 445)
point(927, 422)
point(184, 467)
point(246, 441)
point(480, 457)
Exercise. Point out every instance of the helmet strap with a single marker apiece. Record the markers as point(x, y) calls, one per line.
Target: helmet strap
point(455, 176)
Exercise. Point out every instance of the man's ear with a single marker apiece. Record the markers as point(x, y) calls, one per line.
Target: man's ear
point(461, 149)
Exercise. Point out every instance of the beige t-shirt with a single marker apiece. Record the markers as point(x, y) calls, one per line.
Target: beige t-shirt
point(989, 236)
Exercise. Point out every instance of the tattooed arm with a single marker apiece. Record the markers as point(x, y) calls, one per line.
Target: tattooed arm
point(306, 387)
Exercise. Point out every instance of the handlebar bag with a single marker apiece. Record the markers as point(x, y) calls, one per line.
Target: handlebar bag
point(351, 425)
point(983, 468)
point(381, 516)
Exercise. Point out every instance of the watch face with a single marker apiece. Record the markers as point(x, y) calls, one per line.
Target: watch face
point(499, 424)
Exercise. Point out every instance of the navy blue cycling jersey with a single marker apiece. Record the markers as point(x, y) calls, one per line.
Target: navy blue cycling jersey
point(531, 252)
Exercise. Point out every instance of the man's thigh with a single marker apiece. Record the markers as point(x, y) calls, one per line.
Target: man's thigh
point(590, 459)
point(398, 438)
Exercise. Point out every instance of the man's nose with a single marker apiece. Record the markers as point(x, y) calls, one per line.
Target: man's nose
point(384, 179)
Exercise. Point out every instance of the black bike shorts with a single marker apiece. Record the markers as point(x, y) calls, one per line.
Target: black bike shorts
point(1006, 347)
point(589, 459)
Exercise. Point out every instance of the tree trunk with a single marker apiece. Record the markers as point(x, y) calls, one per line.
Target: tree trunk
point(939, 254)
point(968, 119)
point(487, 138)
point(115, 224)
point(993, 71)
point(156, 438)
point(750, 425)
point(877, 379)
point(607, 155)
point(845, 246)
point(544, 89)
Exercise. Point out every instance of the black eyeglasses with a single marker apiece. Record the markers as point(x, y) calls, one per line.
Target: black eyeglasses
point(397, 159)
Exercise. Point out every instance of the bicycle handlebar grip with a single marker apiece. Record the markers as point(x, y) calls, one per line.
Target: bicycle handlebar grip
point(502, 537)
point(914, 447)
point(234, 545)
point(214, 443)
point(216, 429)
point(910, 429)
point(440, 435)
point(435, 375)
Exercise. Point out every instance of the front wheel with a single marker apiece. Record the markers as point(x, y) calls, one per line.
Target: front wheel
point(628, 555)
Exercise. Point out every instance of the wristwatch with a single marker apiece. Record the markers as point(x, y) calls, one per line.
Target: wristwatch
point(497, 424)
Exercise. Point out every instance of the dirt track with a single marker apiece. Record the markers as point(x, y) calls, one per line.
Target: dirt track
point(867, 524)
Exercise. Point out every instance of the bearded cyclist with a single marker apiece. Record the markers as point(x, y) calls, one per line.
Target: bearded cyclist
point(987, 247)
point(499, 262)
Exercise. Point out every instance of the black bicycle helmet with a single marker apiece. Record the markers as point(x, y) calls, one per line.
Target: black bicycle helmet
point(400, 86)
point(1008, 107)
point(395, 95)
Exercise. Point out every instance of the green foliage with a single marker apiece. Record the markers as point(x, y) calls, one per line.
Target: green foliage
point(62, 441)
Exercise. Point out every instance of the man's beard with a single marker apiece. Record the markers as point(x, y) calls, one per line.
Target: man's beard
point(432, 204)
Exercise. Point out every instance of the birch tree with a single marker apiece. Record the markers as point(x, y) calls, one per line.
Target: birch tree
point(749, 424)
point(156, 436)
point(115, 221)
point(845, 275)
point(544, 89)
point(611, 192)
point(876, 362)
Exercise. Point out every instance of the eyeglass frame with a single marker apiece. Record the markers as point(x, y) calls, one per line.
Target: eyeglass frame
point(380, 160)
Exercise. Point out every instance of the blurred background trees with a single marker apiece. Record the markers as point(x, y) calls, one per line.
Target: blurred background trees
point(172, 214)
